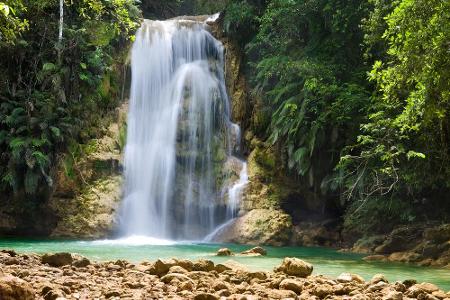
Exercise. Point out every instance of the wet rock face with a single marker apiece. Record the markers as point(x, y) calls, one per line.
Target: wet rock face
point(27, 277)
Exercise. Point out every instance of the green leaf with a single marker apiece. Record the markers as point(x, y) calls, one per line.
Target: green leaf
point(56, 131)
point(48, 67)
point(414, 154)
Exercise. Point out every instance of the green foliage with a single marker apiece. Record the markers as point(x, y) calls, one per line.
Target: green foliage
point(122, 137)
point(157, 9)
point(358, 92)
point(209, 6)
point(374, 216)
point(51, 94)
point(241, 20)
point(404, 148)
point(10, 24)
point(307, 63)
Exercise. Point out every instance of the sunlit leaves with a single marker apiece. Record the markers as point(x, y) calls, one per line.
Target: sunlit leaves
point(403, 150)
point(11, 25)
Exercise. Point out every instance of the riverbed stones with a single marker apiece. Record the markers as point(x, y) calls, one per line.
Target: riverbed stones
point(81, 262)
point(323, 290)
point(206, 296)
point(203, 265)
point(13, 288)
point(177, 276)
point(57, 259)
point(123, 280)
point(292, 285)
point(377, 286)
point(281, 294)
point(231, 265)
point(377, 278)
point(158, 268)
point(295, 267)
point(393, 295)
point(426, 287)
point(178, 269)
point(348, 277)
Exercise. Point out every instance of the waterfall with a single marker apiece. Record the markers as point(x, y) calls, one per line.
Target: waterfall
point(179, 136)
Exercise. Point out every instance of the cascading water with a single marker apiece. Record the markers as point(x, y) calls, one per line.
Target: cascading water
point(180, 136)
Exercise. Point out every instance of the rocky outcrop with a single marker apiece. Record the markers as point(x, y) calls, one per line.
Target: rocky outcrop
point(183, 279)
point(421, 244)
point(323, 233)
point(259, 226)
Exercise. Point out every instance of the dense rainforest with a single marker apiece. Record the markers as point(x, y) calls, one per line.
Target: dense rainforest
point(353, 95)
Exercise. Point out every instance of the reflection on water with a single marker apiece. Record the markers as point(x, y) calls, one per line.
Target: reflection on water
point(326, 261)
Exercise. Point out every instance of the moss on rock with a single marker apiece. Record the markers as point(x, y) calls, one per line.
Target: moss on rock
point(92, 214)
point(87, 198)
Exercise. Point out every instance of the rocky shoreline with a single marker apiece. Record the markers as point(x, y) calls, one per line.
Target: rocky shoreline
point(70, 276)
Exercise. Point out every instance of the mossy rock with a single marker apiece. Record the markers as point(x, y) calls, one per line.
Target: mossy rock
point(268, 187)
point(259, 227)
point(92, 214)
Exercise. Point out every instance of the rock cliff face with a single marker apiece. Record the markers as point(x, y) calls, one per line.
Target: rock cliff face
point(261, 220)
point(88, 192)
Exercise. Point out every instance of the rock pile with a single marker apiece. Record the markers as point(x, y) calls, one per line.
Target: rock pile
point(30, 276)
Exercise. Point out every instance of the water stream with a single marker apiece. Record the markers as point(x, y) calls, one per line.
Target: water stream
point(180, 135)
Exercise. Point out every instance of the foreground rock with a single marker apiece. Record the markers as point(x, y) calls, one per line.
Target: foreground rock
point(57, 259)
point(15, 288)
point(31, 276)
point(295, 267)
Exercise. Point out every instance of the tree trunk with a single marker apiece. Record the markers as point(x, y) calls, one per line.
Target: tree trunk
point(61, 23)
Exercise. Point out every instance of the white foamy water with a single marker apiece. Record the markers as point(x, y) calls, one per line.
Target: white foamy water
point(235, 192)
point(135, 240)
